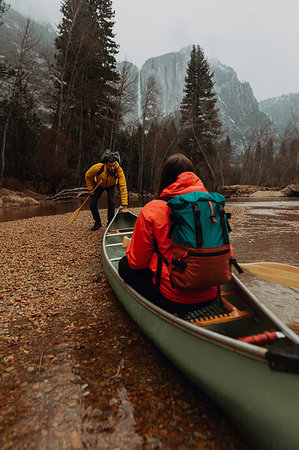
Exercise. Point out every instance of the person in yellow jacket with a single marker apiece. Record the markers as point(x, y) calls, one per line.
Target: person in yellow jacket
point(109, 173)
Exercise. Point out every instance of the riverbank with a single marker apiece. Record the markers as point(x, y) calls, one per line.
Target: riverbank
point(16, 195)
point(76, 371)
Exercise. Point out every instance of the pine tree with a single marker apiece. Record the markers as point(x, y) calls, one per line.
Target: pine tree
point(200, 117)
point(85, 83)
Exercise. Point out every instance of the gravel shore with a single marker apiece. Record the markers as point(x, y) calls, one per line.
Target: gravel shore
point(76, 371)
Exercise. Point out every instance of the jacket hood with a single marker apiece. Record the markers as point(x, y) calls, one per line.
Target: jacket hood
point(186, 182)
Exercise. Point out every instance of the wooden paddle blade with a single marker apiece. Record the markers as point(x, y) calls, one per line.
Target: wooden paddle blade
point(74, 215)
point(275, 272)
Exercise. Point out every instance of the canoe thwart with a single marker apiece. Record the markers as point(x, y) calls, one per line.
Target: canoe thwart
point(284, 359)
point(119, 233)
point(217, 311)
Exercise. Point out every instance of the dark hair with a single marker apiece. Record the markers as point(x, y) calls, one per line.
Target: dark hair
point(172, 167)
point(110, 159)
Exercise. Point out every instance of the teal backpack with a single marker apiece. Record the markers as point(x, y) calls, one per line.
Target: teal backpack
point(202, 253)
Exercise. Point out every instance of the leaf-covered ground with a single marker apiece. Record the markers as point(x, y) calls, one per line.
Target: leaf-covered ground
point(76, 372)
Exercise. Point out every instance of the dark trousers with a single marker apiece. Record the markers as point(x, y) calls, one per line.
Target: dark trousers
point(142, 282)
point(93, 202)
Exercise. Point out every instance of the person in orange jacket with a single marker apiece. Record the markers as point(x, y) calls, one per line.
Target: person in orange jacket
point(109, 174)
point(139, 267)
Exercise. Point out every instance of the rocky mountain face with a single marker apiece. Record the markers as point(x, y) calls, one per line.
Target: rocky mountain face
point(282, 111)
point(238, 107)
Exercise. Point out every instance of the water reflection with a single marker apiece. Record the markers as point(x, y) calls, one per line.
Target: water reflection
point(121, 424)
point(48, 208)
point(269, 232)
point(275, 212)
point(267, 203)
point(45, 209)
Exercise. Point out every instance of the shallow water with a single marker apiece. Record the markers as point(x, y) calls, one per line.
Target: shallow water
point(270, 233)
point(49, 208)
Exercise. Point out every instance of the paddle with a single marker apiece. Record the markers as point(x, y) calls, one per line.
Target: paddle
point(274, 272)
point(75, 213)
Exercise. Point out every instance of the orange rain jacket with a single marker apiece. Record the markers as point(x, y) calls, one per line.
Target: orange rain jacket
point(152, 223)
point(108, 180)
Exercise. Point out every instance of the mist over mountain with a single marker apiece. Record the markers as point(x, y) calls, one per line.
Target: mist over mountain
point(239, 110)
point(281, 110)
point(12, 32)
point(38, 60)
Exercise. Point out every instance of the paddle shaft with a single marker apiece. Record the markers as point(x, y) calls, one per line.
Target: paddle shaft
point(75, 214)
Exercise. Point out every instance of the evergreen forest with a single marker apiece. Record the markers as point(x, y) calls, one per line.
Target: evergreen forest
point(88, 100)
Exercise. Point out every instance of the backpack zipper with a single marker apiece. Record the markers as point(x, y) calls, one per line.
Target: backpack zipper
point(219, 252)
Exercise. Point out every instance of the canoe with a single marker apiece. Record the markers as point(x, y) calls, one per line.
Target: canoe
point(255, 384)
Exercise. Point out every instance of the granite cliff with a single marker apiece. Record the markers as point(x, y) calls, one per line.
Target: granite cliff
point(238, 107)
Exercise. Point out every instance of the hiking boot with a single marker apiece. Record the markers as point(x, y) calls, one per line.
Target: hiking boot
point(96, 226)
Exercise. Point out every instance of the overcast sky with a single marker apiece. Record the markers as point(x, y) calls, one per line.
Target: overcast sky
point(259, 39)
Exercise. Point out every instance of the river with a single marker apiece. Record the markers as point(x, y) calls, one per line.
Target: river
point(270, 233)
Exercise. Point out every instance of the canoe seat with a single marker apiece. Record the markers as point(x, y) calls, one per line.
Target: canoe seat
point(217, 311)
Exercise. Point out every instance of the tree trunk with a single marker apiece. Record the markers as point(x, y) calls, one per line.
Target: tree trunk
point(3, 151)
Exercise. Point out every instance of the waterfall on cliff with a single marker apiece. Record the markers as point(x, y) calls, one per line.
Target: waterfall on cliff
point(139, 95)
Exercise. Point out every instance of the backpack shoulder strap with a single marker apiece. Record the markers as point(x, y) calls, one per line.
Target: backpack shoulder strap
point(222, 220)
point(174, 219)
point(161, 260)
point(198, 228)
point(101, 170)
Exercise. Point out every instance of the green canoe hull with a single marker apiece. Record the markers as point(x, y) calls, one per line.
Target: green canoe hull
point(261, 402)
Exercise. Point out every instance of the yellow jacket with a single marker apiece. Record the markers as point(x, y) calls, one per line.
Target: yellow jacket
point(108, 180)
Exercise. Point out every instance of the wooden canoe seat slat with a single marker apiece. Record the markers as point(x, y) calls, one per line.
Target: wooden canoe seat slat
point(215, 312)
point(227, 293)
point(120, 231)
